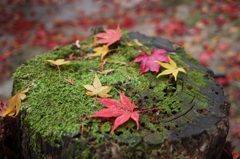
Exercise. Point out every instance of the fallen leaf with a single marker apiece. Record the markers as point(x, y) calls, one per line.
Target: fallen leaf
point(223, 46)
point(103, 63)
point(121, 62)
point(123, 110)
point(128, 77)
point(2, 107)
point(129, 44)
point(137, 42)
point(171, 68)
point(110, 37)
point(176, 46)
point(82, 130)
point(14, 104)
point(99, 51)
point(97, 89)
point(147, 61)
point(58, 62)
point(105, 72)
point(205, 58)
point(69, 81)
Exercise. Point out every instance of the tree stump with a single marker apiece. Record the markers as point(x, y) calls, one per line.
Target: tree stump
point(53, 123)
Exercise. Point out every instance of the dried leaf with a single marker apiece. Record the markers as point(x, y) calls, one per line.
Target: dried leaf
point(129, 44)
point(103, 63)
point(14, 104)
point(128, 77)
point(123, 110)
point(121, 62)
point(171, 68)
point(105, 72)
point(97, 89)
point(177, 46)
point(137, 42)
point(69, 81)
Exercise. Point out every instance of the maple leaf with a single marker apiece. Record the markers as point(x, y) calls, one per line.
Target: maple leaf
point(97, 88)
point(100, 51)
point(14, 104)
point(58, 62)
point(171, 68)
point(2, 107)
point(123, 110)
point(147, 61)
point(110, 37)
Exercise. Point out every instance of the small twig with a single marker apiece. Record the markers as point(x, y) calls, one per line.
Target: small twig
point(30, 83)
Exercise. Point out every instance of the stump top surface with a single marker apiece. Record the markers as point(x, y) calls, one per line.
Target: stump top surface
point(56, 109)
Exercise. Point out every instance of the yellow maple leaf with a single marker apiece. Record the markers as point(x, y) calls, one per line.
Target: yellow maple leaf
point(97, 89)
point(58, 62)
point(171, 68)
point(14, 104)
point(99, 51)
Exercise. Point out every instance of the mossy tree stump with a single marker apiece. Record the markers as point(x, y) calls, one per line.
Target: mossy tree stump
point(193, 123)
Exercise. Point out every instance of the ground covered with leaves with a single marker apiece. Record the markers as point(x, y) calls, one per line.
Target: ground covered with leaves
point(208, 30)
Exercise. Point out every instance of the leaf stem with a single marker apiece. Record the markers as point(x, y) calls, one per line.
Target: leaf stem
point(30, 83)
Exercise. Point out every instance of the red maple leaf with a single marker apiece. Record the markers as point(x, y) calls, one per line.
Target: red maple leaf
point(123, 110)
point(2, 107)
point(147, 61)
point(110, 37)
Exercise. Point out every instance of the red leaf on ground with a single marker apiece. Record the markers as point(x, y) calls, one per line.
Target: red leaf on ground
point(123, 110)
point(223, 81)
point(127, 22)
point(2, 107)
point(110, 37)
point(223, 46)
point(147, 61)
point(206, 56)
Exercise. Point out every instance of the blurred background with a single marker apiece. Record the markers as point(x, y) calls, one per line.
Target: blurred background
point(207, 29)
